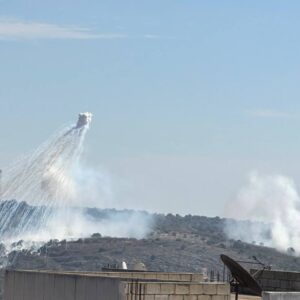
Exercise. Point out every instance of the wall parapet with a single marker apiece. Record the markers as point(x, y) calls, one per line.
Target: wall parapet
point(47, 285)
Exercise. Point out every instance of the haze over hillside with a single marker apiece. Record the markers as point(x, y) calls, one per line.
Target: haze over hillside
point(191, 238)
point(173, 243)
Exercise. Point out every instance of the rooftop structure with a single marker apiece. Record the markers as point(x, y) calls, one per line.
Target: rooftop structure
point(46, 285)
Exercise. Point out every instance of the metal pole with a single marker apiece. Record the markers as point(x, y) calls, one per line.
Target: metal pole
point(236, 292)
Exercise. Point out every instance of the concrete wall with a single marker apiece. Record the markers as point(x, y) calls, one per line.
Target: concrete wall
point(164, 276)
point(189, 277)
point(23, 285)
point(43, 285)
point(177, 291)
point(280, 296)
point(278, 280)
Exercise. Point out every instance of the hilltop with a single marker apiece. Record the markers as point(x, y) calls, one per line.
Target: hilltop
point(174, 243)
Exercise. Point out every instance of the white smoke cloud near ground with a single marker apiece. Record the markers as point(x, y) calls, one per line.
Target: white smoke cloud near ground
point(271, 203)
point(73, 223)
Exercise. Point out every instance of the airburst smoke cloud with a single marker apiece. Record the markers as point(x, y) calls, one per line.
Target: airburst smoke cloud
point(51, 188)
point(272, 203)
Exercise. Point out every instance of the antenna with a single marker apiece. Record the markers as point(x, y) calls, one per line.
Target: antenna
point(240, 277)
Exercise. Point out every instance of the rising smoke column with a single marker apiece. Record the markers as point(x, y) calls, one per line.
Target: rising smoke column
point(42, 179)
point(272, 203)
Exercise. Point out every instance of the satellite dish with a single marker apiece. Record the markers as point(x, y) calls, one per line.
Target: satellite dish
point(241, 277)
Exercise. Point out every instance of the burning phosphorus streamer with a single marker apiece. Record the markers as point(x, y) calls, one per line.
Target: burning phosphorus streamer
point(0, 184)
point(42, 179)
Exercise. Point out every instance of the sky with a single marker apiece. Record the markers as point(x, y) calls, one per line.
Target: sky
point(188, 97)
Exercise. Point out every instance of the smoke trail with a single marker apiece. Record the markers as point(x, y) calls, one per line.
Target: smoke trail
point(43, 179)
point(52, 188)
point(272, 203)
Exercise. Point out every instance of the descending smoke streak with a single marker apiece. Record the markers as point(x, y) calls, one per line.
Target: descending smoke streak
point(42, 179)
point(51, 190)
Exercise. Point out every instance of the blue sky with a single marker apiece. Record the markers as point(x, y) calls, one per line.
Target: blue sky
point(188, 97)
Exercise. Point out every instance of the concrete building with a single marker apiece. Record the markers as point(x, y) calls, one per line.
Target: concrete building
point(273, 280)
point(43, 285)
point(280, 296)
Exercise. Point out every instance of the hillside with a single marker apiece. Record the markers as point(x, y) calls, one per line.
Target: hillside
point(175, 243)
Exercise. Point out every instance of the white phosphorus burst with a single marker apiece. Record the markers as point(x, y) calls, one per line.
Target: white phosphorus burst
point(51, 189)
point(43, 179)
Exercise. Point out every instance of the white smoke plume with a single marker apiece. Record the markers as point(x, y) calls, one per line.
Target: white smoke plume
point(72, 223)
point(51, 188)
point(272, 204)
